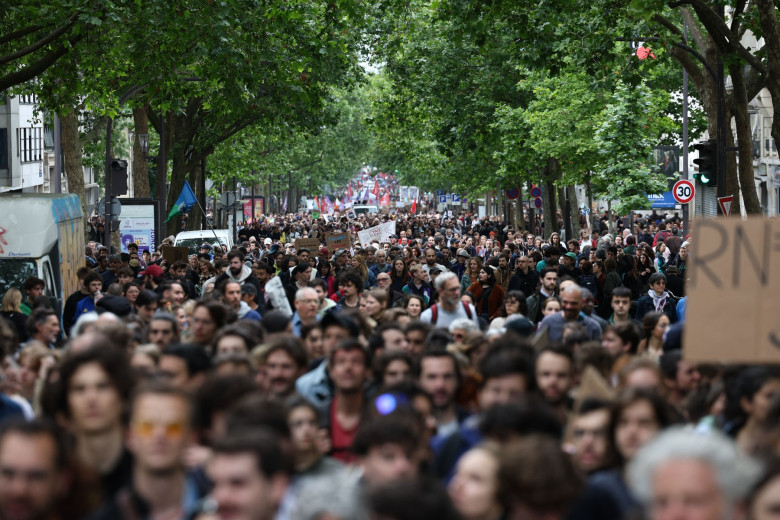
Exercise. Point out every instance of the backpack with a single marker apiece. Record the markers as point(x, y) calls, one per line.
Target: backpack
point(435, 312)
point(588, 281)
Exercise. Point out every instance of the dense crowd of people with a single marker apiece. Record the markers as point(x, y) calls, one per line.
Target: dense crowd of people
point(458, 369)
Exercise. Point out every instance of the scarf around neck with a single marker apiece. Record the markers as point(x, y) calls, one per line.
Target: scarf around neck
point(658, 301)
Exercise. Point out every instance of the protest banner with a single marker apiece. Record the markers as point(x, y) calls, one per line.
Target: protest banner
point(733, 281)
point(312, 244)
point(336, 241)
point(381, 233)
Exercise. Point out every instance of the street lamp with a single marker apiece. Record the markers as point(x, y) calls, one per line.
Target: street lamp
point(143, 140)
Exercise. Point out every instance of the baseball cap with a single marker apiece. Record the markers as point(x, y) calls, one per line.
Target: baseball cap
point(267, 241)
point(205, 246)
point(463, 253)
point(572, 256)
point(153, 270)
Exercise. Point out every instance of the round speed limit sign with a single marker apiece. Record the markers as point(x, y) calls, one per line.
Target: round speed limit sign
point(683, 191)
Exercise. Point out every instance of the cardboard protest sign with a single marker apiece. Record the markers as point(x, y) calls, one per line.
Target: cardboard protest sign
point(733, 282)
point(312, 244)
point(381, 233)
point(336, 241)
point(173, 254)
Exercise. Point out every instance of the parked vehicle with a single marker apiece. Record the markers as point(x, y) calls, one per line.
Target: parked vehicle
point(362, 209)
point(193, 239)
point(41, 235)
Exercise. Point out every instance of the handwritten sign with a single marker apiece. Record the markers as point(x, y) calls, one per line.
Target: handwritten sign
point(336, 241)
point(312, 244)
point(734, 279)
point(381, 233)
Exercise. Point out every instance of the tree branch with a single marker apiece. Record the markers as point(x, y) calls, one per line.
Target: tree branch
point(739, 9)
point(699, 38)
point(662, 20)
point(37, 68)
point(694, 71)
point(40, 43)
point(20, 33)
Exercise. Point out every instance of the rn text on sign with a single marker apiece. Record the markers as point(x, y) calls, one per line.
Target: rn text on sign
point(732, 309)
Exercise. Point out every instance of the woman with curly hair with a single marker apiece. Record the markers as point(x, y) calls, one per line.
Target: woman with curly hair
point(359, 265)
point(414, 304)
point(471, 275)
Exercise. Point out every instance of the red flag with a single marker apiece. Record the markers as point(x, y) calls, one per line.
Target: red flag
point(414, 205)
point(317, 203)
point(349, 191)
point(385, 199)
point(376, 189)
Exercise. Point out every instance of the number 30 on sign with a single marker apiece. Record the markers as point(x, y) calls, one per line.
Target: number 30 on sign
point(683, 191)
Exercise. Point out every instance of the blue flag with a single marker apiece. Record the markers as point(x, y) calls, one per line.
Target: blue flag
point(184, 203)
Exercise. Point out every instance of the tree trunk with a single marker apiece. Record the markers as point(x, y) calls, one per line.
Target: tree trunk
point(74, 170)
point(178, 176)
point(744, 142)
point(574, 212)
point(519, 212)
point(140, 164)
point(195, 216)
point(551, 173)
point(560, 224)
point(768, 16)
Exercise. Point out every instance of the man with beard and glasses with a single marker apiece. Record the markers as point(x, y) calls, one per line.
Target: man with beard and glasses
point(449, 307)
point(158, 436)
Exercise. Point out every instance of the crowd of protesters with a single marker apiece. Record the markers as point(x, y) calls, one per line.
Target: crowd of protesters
point(459, 369)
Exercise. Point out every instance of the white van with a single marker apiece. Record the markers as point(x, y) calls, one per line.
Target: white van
point(193, 239)
point(361, 209)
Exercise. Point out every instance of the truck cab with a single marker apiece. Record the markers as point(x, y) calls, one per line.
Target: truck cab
point(41, 235)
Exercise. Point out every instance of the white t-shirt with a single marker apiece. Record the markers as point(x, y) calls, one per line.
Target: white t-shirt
point(444, 318)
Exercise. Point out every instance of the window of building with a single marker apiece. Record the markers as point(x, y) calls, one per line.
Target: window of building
point(30, 144)
point(28, 99)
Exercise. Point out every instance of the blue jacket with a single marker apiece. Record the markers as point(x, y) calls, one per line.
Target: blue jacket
point(315, 386)
point(85, 305)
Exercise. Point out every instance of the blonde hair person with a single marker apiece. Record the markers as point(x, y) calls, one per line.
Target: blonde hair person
point(11, 310)
point(376, 303)
point(360, 267)
point(471, 275)
point(12, 300)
